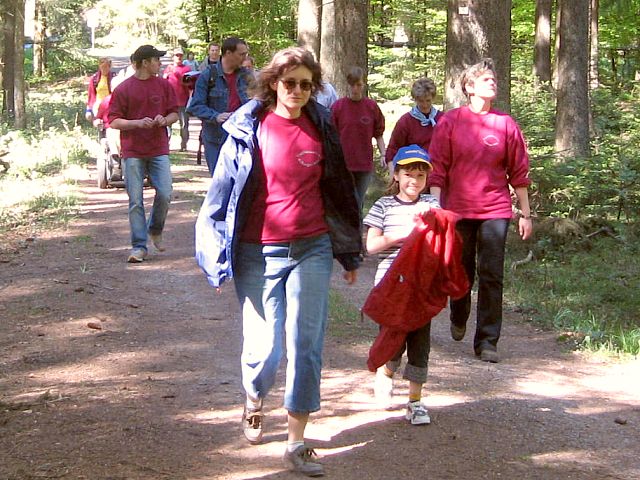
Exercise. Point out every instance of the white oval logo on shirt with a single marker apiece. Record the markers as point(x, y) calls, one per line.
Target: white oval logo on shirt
point(308, 158)
point(491, 140)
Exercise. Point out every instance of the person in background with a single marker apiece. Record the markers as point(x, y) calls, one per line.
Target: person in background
point(213, 56)
point(174, 73)
point(280, 206)
point(477, 153)
point(191, 62)
point(358, 120)
point(99, 87)
point(416, 126)
point(326, 95)
point(390, 221)
point(142, 107)
point(219, 91)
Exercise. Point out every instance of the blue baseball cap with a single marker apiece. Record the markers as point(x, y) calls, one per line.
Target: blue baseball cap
point(411, 154)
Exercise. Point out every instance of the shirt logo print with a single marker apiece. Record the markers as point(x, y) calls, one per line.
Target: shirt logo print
point(491, 140)
point(365, 120)
point(308, 158)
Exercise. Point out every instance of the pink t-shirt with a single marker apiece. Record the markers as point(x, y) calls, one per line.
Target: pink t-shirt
point(475, 159)
point(174, 75)
point(357, 123)
point(288, 201)
point(135, 99)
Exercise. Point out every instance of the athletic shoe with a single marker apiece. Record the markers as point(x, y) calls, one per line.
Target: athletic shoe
point(457, 333)
point(252, 421)
point(490, 356)
point(383, 387)
point(301, 460)
point(417, 413)
point(137, 255)
point(156, 239)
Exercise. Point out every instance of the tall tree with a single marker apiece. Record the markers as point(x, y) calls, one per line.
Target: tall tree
point(309, 25)
point(542, 48)
point(594, 12)
point(572, 106)
point(19, 86)
point(475, 30)
point(344, 40)
point(8, 60)
point(39, 39)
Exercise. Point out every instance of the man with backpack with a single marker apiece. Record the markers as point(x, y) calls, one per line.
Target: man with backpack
point(219, 91)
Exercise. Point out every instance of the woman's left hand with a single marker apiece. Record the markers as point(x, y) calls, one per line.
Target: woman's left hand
point(350, 276)
point(525, 227)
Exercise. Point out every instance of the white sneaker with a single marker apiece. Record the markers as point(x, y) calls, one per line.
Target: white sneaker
point(383, 388)
point(417, 413)
point(137, 255)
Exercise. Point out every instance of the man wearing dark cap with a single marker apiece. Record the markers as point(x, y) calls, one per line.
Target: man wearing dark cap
point(219, 91)
point(142, 107)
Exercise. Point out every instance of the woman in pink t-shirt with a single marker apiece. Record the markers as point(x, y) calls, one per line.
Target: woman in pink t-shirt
point(477, 153)
point(280, 206)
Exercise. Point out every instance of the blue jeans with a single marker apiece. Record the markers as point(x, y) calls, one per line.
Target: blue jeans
point(183, 118)
point(283, 290)
point(362, 181)
point(159, 170)
point(486, 240)
point(211, 154)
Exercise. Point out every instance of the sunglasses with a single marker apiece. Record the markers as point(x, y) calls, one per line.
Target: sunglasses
point(305, 85)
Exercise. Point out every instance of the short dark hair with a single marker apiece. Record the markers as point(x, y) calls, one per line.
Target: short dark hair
point(355, 75)
point(230, 44)
point(393, 187)
point(284, 61)
point(212, 44)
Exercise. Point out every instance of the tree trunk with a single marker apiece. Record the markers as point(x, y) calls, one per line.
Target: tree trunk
point(8, 60)
point(18, 81)
point(572, 107)
point(480, 29)
point(558, 41)
point(309, 25)
point(39, 39)
point(344, 40)
point(542, 48)
point(594, 77)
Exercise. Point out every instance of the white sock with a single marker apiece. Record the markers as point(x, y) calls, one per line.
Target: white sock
point(291, 446)
point(254, 404)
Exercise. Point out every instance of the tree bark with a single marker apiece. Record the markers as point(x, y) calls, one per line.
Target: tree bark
point(39, 39)
point(344, 40)
point(572, 106)
point(594, 77)
point(542, 48)
point(8, 60)
point(309, 25)
point(556, 46)
point(18, 81)
point(483, 30)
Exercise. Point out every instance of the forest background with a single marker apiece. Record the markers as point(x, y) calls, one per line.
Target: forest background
point(579, 274)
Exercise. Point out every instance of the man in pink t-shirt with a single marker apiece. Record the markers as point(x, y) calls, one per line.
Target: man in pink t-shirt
point(174, 73)
point(142, 107)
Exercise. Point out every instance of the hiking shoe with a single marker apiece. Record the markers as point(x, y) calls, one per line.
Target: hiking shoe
point(252, 425)
point(488, 355)
point(417, 413)
point(156, 239)
point(137, 255)
point(457, 333)
point(301, 460)
point(383, 387)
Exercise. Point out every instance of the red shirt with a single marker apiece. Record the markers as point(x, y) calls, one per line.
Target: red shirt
point(408, 131)
point(135, 99)
point(103, 110)
point(357, 123)
point(475, 159)
point(288, 201)
point(174, 75)
point(234, 99)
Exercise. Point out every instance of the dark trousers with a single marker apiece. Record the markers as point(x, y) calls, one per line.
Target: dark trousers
point(482, 251)
point(417, 346)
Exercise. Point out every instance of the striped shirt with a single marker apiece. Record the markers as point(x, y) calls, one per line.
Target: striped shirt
point(392, 215)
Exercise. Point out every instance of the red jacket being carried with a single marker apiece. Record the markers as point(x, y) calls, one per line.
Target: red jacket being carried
point(428, 269)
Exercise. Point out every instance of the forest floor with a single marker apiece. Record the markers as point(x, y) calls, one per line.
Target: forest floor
point(110, 370)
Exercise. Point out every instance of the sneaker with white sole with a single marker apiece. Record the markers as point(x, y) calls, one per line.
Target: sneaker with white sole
point(417, 413)
point(137, 255)
point(156, 239)
point(383, 387)
point(302, 460)
point(252, 421)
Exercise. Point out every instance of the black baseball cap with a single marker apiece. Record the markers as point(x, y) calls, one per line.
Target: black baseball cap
point(146, 51)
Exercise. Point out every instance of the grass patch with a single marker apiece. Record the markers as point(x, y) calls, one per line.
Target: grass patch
point(345, 321)
point(586, 290)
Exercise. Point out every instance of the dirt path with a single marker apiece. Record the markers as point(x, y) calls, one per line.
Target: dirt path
point(155, 392)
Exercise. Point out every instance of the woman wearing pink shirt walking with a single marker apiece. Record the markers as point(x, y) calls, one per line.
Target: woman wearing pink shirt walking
point(477, 153)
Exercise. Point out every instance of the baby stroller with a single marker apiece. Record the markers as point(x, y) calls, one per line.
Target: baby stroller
point(109, 163)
